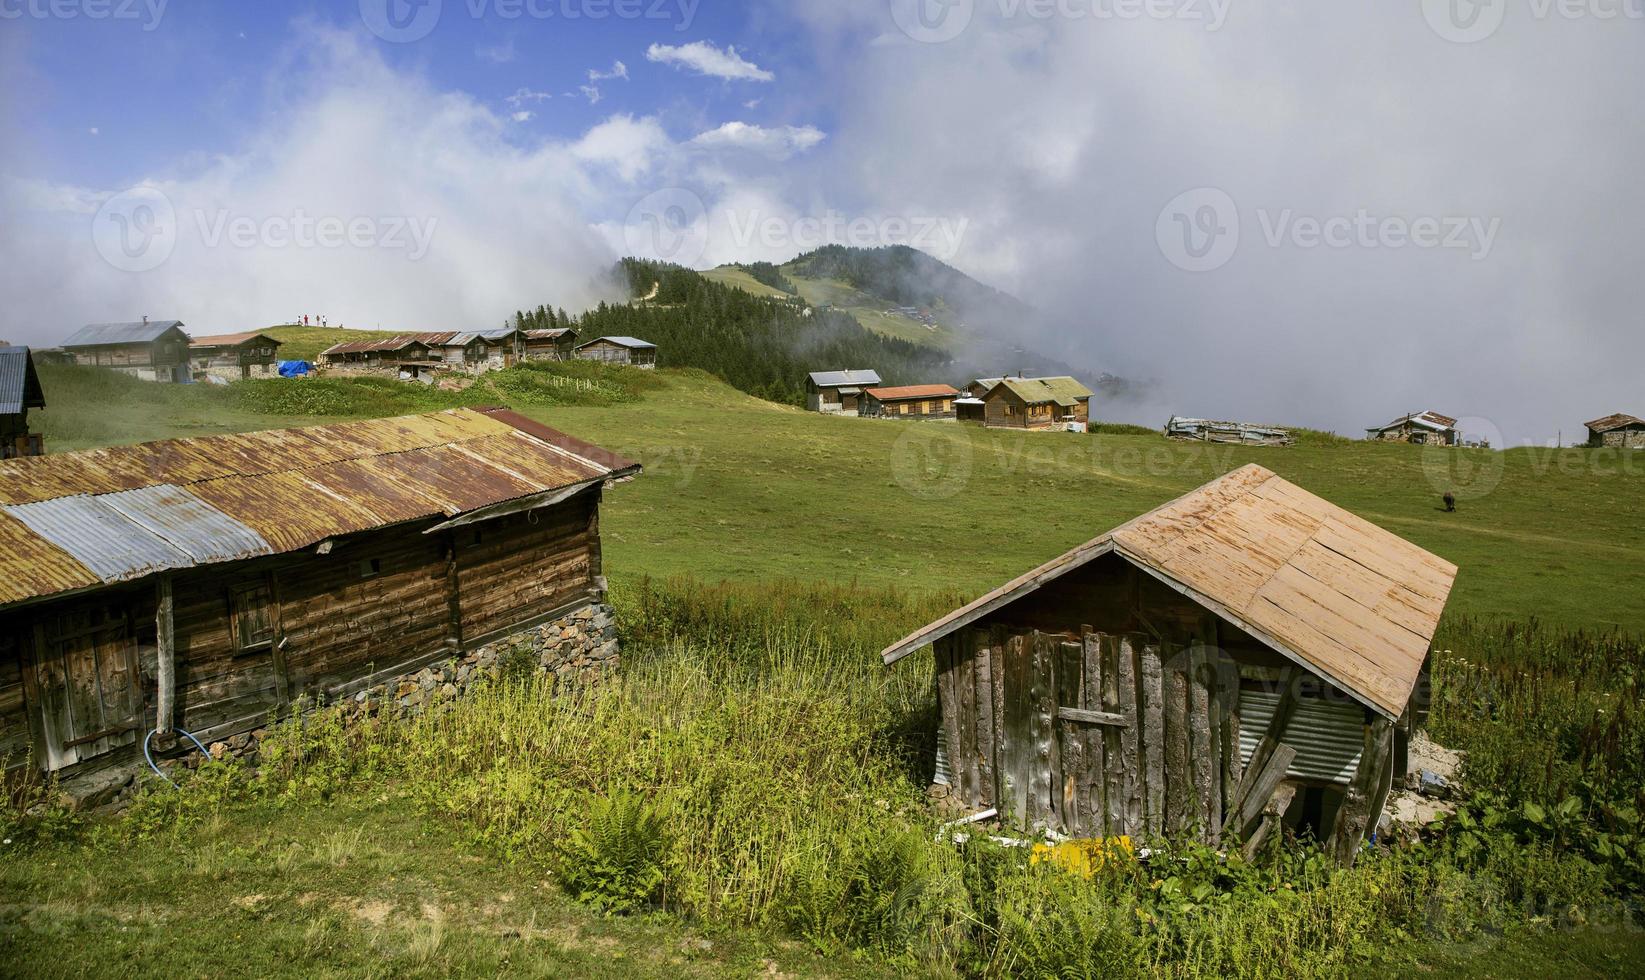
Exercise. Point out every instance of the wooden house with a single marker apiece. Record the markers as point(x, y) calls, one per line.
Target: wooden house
point(1422, 429)
point(553, 344)
point(203, 584)
point(838, 392)
point(1617, 432)
point(19, 392)
point(618, 350)
point(233, 356)
point(1036, 403)
point(151, 350)
point(909, 402)
point(1230, 433)
point(386, 354)
point(1245, 658)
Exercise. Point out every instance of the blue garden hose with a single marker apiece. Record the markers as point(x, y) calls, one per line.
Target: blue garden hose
point(146, 755)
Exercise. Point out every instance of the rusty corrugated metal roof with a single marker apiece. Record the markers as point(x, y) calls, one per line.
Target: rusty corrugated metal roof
point(108, 515)
point(188, 523)
point(100, 537)
point(35, 566)
point(1611, 422)
point(231, 339)
point(913, 391)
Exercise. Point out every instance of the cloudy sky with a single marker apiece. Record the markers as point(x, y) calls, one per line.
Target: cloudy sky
point(1320, 214)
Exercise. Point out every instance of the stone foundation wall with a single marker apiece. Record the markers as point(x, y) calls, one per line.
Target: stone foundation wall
point(579, 648)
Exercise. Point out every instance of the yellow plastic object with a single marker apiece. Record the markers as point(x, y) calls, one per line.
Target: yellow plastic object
point(1084, 857)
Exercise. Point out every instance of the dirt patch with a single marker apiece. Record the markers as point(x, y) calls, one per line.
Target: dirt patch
point(374, 912)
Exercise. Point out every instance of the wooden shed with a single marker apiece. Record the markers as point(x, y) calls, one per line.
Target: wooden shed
point(233, 356)
point(205, 583)
point(1036, 403)
point(910, 402)
point(387, 355)
point(552, 344)
point(19, 392)
point(838, 392)
point(1617, 432)
point(1244, 658)
point(1419, 428)
point(155, 350)
point(619, 350)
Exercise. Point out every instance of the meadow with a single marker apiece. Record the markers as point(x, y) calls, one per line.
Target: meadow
point(748, 795)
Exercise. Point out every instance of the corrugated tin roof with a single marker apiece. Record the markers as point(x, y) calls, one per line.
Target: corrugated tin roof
point(231, 339)
point(551, 334)
point(106, 515)
point(1611, 422)
point(141, 331)
point(1354, 603)
point(100, 537)
point(620, 342)
point(188, 523)
point(834, 379)
point(912, 391)
point(1066, 392)
point(19, 385)
point(1428, 420)
point(1328, 736)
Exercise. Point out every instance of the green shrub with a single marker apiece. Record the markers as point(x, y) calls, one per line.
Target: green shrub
point(614, 861)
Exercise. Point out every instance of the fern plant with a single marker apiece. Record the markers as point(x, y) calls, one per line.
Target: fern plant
point(614, 862)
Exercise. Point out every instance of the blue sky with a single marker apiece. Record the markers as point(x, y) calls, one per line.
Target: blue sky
point(199, 78)
point(1341, 212)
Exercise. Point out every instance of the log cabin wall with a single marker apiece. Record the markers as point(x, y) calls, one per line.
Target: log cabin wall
point(1107, 704)
point(257, 634)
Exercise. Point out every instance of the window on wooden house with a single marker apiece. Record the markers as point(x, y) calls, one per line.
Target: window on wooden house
point(251, 615)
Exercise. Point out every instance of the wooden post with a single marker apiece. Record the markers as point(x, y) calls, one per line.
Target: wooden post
point(1091, 784)
point(166, 642)
point(1130, 760)
point(1179, 810)
point(1113, 778)
point(1354, 816)
point(1262, 788)
point(984, 694)
point(1153, 740)
point(1070, 738)
point(454, 610)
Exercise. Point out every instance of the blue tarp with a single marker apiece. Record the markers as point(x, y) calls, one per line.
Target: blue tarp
point(295, 369)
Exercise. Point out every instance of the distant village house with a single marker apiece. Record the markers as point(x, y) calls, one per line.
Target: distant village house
point(156, 350)
point(838, 392)
point(229, 577)
point(1422, 429)
point(910, 402)
point(19, 391)
point(1231, 433)
point(1243, 661)
point(618, 350)
point(1617, 432)
point(553, 344)
point(1036, 403)
point(234, 356)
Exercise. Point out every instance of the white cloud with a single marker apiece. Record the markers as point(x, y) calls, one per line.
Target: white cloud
point(778, 143)
point(522, 115)
point(704, 58)
point(618, 70)
point(591, 93)
point(500, 53)
point(397, 149)
point(522, 96)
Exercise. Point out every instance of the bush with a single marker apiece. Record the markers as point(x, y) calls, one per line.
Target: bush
point(614, 861)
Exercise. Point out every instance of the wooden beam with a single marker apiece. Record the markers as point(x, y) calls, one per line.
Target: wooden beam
point(1262, 789)
point(1354, 816)
point(1290, 692)
point(1272, 815)
point(166, 644)
point(1112, 718)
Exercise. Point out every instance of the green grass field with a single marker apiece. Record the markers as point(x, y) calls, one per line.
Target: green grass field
point(759, 563)
point(869, 310)
point(737, 488)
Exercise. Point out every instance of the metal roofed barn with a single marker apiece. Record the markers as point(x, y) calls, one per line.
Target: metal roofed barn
point(207, 582)
point(1246, 656)
point(837, 392)
point(20, 392)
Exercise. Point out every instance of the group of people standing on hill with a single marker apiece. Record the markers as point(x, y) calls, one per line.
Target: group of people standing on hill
point(319, 320)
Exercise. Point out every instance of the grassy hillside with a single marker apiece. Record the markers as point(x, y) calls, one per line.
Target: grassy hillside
point(741, 488)
point(306, 343)
point(749, 789)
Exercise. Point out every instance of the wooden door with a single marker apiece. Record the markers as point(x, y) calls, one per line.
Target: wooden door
point(85, 671)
